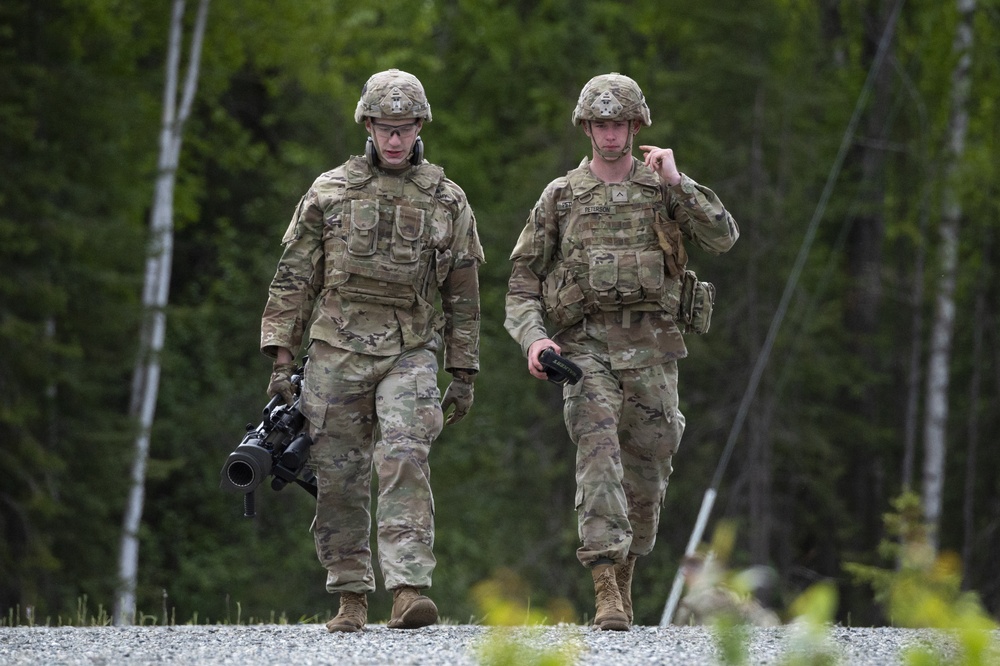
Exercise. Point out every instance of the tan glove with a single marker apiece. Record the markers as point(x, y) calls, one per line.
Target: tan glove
point(460, 394)
point(281, 382)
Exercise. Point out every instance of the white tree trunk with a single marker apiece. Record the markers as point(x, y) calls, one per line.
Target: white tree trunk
point(936, 412)
point(159, 252)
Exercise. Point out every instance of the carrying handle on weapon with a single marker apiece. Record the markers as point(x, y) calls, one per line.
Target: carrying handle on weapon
point(269, 407)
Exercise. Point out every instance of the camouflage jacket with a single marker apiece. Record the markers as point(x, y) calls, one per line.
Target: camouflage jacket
point(365, 256)
point(602, 262)
point(707, 605)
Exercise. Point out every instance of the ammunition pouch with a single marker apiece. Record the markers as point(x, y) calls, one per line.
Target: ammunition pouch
point(671, 241)
point(697, 299)
point(625, 277)
point(563, 299)
point(613, 280)
point(380, 251)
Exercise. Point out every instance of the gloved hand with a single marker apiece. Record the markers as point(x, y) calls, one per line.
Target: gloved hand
point(460, 394)
point(281, 382)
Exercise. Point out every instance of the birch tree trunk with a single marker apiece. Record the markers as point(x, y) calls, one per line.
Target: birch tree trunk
point(156, 287)
point(936, 408)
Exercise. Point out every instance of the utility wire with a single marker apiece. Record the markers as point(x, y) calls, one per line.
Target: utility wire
point(790, 285)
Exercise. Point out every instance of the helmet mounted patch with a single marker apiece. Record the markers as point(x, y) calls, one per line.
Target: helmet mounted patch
point(396, 103)
point(611, 96)
point(392, 94)
point(606, 105)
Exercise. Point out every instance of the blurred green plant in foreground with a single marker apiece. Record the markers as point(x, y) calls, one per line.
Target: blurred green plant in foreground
point(811, 613)
point(504, 601)
point(924, 591)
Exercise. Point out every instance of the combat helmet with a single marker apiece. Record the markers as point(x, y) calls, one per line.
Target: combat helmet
point(611, 96)
point(392, 94)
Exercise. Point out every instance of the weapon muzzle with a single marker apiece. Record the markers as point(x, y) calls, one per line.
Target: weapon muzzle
point(246, 467)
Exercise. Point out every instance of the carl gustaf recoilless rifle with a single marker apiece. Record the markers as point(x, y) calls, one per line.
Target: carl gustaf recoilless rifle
point(277, 447)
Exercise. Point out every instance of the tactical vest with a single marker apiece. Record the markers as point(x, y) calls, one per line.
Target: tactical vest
point(381, 251)
point(612, 258)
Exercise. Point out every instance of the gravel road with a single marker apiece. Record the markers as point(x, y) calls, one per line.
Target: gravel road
point(310, 644)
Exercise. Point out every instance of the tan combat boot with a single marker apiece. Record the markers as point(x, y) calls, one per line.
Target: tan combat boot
point(411, 610)
point(610, 615)
point(353, 615)
point(623, 574)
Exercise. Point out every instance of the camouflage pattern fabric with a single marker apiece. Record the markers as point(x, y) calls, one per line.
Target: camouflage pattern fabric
point(611, 96)
point(392, 94)
point(626, 425)
point(574, 227)
point(366, 255)
point(366, 412)
point(590, 263)
point(421, 240)
point(709, 604)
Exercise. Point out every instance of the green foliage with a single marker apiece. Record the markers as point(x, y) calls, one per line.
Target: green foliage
point(754, 99)
point(812, 611)
point(505, 600)
point(504, 603)
point(924, 590)
point(732, 637)
point(502, 649)
point(70, 206)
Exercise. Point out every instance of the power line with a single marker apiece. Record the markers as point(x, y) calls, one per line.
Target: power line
point(790, 285)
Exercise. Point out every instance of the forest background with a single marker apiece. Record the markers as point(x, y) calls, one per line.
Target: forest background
point(754, 98)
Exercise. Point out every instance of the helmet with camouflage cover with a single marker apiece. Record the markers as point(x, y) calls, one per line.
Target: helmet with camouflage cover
point(392, 94)
point(611, 96)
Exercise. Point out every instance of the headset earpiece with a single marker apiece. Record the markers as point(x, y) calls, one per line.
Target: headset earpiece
point(370, 153)
point(418, 152)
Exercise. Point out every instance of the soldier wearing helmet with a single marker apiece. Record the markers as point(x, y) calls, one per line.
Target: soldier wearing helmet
point(600, 276)
point(369, 249)
point(611, 98)
point(392, 108)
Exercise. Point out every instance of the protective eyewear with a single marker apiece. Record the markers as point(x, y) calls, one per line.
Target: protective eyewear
point(406, 131)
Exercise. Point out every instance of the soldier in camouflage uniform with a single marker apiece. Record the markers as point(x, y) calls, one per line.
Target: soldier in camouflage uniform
point(710, 599)
point(369, 249)
point(602, 260)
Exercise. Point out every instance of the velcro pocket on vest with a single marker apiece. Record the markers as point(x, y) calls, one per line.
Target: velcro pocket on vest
point(563, 299)
point(363, 237)
point(651, 271)
point(603, 272)
point(628, 277)
point(696, 303)
point(406, 233)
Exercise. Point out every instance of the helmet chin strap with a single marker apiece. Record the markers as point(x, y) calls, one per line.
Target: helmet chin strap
point(375, 158)
point(614, 155)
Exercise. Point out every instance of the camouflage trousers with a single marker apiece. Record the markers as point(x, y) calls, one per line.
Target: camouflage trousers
point(382, 413)
point(626, 425)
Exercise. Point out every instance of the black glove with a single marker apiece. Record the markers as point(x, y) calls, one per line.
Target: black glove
point(559, 369)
